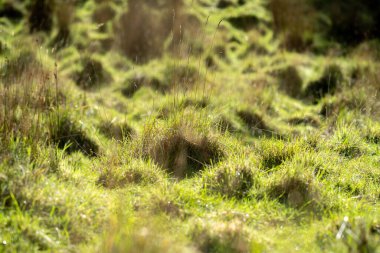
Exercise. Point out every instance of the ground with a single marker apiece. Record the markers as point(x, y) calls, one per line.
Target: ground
point(189, 126)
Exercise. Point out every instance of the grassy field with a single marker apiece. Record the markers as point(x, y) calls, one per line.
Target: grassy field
point(189, 126)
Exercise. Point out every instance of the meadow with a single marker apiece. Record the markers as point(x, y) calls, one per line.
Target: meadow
point(203, 126)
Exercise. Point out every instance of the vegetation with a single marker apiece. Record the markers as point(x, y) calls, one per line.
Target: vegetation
point(189, 126)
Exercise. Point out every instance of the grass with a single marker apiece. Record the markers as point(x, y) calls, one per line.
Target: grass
point(221, 126)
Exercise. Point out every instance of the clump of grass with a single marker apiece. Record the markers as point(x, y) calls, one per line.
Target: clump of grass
point(328, 83)
point(64, 14)
point(166, 204)
point(275, 152)
point(181, 149)
point(134, 83)
point(307, 120)
point(22, 67)
point(182, 76)
point(67, 135)
point(92, 74)
point(255, 123)
point(11, 11)
point(244, 22)
point(145, 234)
point(296, 191)
point(290, 81)
point(372, 134)
point(116, 130)
point(356, 99)
point(133, 172)
point(224, 124)
point(347, 142)
point(41, 15)
point(186, 103)
point(358, 235)
point(293, 20)
point(26, 99)
point(104, 13)
point(215, 237)
point(135, 27)
point(231, 179)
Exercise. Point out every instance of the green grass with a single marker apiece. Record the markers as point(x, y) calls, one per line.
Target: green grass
point(232, 134)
